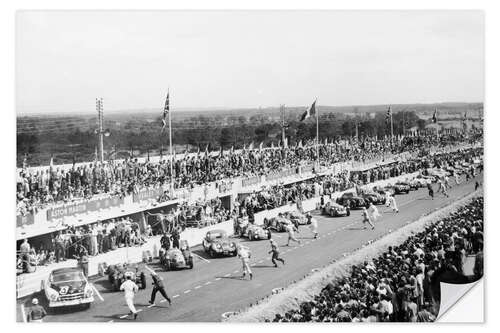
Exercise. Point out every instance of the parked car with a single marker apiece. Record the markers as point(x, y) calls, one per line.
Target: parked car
point(351, 200)
point(297, 218)
point(334, 209)
point(277, 224)
point(374, 197)
point(67, 287)
point(179, 258)
point(217, 243)
point(402, 187)
point(117, 275)
point(421, 181)
point(256, 232)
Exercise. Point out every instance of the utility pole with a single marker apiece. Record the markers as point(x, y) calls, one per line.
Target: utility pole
point(100, 133)
point(284, 126)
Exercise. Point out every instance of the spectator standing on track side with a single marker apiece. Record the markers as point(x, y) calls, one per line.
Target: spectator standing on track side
point(158, 286)
point(36, 312)
point(175, 238)
point(275, 252)
point(130, 288)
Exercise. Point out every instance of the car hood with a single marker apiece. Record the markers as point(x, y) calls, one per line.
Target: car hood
point(69, 287)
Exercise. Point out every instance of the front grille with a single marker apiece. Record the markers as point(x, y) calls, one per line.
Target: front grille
point(70, 297)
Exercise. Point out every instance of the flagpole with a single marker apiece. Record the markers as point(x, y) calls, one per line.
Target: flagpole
point(317, 133)
point(170, 145)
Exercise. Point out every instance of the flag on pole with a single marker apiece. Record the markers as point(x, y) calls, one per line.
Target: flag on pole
point(388, 115)
point(311, 111)
point(434, 116)
point(166, 110)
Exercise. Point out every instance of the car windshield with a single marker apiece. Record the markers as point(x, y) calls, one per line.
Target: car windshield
point(67, 276)
point(215, 235)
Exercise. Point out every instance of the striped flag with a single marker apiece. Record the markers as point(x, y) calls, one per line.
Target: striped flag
point(311, 111)
point(166, 110)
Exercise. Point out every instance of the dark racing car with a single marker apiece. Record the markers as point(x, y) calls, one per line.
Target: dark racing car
point(175, 258)
point(117, 275)
point(67, 287)
point(374, 197)
point(217, 243)
point(402, 187)
point(349, 199)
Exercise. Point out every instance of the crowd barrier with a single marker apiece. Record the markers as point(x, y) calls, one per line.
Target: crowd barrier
point(27, 284)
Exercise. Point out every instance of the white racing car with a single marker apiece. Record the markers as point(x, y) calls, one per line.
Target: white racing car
point(68, 287)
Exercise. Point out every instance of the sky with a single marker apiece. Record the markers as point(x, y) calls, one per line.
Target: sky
point(240, 59)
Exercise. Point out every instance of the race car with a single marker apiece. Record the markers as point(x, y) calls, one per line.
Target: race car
point(401, 187)
point(175, 258)
point(334, 209)
point(117, 275)
point(256, 232)
point(351, 200)
point(374, 198)
point(421, 181)
point(68, 287)
point(277, 224)
point(297, 218)
point(217, 243)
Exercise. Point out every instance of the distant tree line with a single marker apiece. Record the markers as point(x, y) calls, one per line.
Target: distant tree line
point(143, 137)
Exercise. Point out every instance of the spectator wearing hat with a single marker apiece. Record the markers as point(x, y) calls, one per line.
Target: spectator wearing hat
point(36, 312)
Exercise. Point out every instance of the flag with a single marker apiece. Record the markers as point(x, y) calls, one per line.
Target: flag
point(434, 116)
point(388, 115)
point(166, 110)
point(311, 111)
point(25, 161)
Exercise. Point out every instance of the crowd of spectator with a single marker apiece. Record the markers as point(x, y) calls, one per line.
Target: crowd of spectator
point(90, 240)
point(39, 188)
point(403, 284)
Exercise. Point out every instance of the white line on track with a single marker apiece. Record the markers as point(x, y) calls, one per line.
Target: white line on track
point(23, 313)
point(202, 258)
point(98, 293)
point(175, 296)
point(187, 291)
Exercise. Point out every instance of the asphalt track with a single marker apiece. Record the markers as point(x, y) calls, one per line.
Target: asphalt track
point(215, 286)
